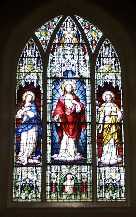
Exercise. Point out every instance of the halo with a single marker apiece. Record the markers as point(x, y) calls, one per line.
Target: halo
point(107, 93)
point(28, 93)
point(65, 82)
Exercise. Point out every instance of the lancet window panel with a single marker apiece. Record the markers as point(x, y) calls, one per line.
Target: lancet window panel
point(28, 124)
point(109, 125)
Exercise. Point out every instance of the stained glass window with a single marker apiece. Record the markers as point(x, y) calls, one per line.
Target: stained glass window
point(69, 138)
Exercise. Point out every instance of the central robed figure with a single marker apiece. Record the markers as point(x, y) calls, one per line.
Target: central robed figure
point(69, 116)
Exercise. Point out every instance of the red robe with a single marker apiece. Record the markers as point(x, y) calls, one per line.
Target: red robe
point(72, 122)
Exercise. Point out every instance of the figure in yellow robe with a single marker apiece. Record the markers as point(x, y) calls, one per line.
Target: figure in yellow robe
point(109, 118)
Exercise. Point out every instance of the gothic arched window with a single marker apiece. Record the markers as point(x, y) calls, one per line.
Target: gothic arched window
point(69, 142)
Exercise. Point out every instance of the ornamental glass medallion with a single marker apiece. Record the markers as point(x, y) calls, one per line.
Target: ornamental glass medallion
point(109, 114)
point(69, 116)
point(28, 138)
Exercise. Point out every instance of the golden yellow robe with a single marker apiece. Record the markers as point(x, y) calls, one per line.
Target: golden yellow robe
point(111, 128)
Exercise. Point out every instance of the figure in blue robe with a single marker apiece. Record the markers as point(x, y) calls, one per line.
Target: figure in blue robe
point(29, 130)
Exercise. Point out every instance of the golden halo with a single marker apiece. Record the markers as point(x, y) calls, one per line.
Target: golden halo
point(28, 93)
point(108, 93)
